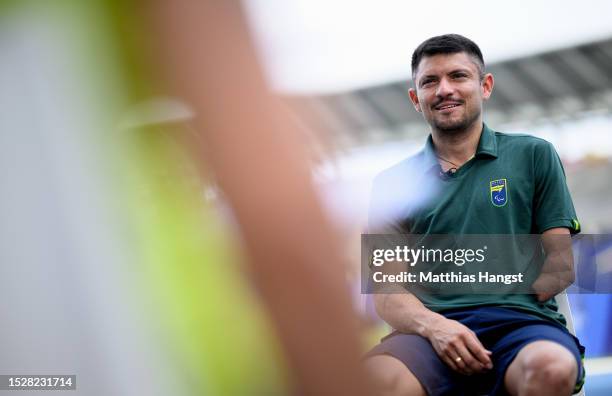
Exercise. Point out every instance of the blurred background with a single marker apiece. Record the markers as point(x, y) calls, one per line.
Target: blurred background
point(345, 66)
point(110, 238)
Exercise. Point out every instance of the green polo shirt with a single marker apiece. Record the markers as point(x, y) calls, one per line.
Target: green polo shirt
point(515, 184)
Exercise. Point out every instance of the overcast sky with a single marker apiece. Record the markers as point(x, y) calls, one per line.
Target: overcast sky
point(319, 46)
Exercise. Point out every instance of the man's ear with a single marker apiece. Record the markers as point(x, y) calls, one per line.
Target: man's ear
point(415, 99)
point(487, 85)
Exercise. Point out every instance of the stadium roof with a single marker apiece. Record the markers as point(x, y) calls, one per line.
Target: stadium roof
point(548, 87)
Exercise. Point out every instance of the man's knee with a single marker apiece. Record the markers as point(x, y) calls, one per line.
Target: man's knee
point(549, 367)
point(392, 378)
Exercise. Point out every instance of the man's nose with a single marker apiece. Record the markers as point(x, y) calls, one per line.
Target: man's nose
point(445, 88)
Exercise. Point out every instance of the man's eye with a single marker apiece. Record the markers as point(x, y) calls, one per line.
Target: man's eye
point(460, 75)
point(426, 82)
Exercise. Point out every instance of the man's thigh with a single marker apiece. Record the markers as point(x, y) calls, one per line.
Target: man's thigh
point(420, 361)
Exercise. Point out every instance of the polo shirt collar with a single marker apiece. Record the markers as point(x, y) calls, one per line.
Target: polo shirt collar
point(487, 146)
point(430, 160)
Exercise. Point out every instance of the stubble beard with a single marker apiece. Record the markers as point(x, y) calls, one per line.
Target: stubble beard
point(455, 127)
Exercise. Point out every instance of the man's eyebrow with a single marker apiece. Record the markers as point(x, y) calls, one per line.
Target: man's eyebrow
point(460, 70)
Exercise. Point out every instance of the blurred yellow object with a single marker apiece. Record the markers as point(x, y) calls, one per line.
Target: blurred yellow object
point(190, 272)
point(199, 309)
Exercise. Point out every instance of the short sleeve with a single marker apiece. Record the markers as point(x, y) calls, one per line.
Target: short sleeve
point(552, 202)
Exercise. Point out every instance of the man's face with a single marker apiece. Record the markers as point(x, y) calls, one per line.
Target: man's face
point(449, 91)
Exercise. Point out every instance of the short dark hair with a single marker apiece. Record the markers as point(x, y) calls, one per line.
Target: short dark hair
point(447, 44)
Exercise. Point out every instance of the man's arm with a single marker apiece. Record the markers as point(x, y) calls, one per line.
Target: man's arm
point(558, 269)
point(450, 339)
point(405, 313)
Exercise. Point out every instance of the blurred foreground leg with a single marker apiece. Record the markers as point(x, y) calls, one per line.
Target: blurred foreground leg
point(253, 149)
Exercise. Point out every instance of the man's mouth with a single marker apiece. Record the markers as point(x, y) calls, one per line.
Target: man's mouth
point(446, 106)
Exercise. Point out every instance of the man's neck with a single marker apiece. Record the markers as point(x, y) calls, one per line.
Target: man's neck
point(458, 146)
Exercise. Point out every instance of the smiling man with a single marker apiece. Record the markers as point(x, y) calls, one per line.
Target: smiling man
point(487, 182)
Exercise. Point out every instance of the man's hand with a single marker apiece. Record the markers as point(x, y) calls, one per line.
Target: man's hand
point(449, 338)
point(452, 341)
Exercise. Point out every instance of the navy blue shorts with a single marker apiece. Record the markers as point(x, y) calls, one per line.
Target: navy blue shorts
point(503, 331)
